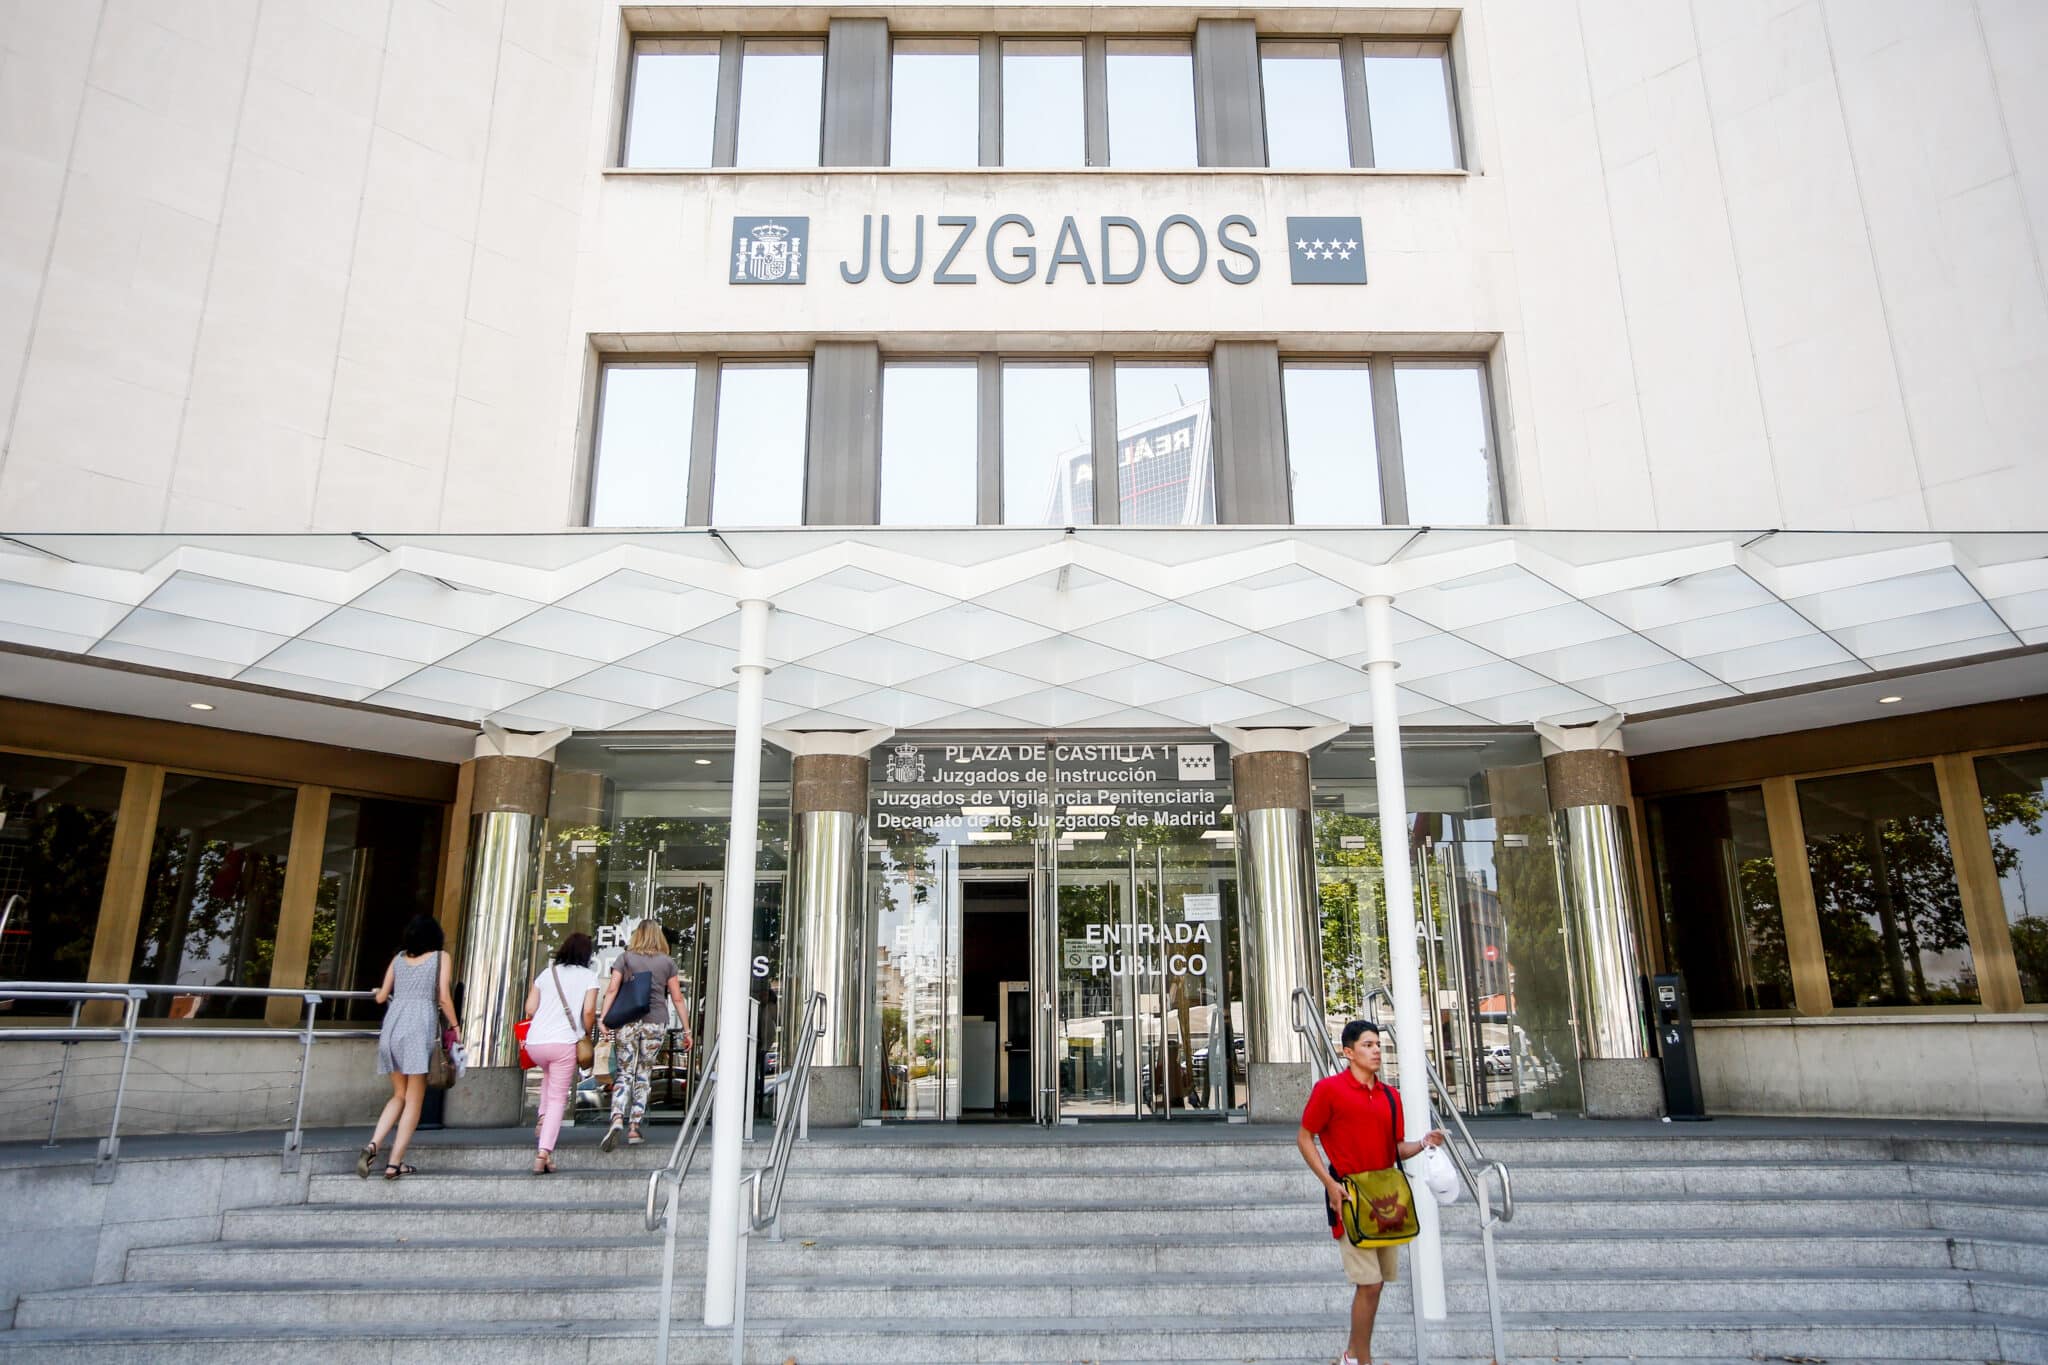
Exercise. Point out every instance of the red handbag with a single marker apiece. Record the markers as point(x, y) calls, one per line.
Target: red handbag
point(519, 1031)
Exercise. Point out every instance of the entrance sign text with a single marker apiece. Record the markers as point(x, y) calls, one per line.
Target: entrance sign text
point(1012, 249)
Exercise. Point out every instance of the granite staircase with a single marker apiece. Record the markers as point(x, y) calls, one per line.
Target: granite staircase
point(1199, 1244)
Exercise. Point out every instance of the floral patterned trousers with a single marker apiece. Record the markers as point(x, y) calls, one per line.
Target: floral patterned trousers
point(635, 1047)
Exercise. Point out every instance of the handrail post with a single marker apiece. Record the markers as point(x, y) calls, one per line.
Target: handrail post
point(63, 1071)
point(110, 1145)
point(289, 1162)
point(753, 1054)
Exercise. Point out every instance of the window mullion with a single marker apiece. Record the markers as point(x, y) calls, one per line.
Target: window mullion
point(725, 126)
point(1357, 109)
point(991, 91)
point(703, 440)
point(1103, 397)
point(1386, 426)
point(1095, 85)
point(988, 496)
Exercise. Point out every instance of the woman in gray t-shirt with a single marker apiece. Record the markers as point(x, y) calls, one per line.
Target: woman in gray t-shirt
point(635, 1046)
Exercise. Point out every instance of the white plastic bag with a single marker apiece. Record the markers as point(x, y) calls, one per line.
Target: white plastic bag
point(1440, 1175)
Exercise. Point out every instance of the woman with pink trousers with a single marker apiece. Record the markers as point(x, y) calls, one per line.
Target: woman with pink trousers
point(562, 1003)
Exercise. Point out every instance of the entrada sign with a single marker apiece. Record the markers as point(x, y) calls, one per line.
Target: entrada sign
point(1112, 249)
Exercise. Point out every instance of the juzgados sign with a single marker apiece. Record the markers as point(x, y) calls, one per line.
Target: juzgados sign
point(1112, 249)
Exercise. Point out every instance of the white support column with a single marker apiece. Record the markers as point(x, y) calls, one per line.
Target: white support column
point(729, 1098)
point(1426, 1260)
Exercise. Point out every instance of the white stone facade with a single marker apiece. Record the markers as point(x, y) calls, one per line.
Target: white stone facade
point(280, 265)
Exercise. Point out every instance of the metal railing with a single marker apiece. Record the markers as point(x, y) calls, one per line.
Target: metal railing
point(1475, 1168)
point(763, 1192)
point(131, 1030)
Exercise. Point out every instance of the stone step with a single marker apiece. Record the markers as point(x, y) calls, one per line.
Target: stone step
point(519, 1185)
point(1225, 1292)
point(1696, 1339)
point(603, 1257)
point(417, 1202)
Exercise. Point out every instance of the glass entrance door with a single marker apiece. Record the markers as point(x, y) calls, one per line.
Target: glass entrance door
point(1149, 1023)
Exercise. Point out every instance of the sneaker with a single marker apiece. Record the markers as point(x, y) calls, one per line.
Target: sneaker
point(611, 1137)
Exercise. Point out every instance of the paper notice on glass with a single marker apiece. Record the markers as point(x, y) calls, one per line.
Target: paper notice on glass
point(1196, 907)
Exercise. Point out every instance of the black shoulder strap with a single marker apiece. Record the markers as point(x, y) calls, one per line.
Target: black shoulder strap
point(1394, 1115)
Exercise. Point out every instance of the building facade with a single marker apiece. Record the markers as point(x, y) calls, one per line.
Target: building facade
point(1161, 527)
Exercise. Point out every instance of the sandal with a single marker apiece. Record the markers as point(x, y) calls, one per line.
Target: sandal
point(363, 1160)
point(541, 1164)
point(633, 1138)
point(402, 1168)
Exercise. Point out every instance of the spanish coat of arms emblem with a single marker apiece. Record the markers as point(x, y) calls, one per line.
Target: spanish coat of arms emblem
point(769, 250)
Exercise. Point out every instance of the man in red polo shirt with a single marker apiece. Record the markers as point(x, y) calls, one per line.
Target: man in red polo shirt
point(1358, 1121)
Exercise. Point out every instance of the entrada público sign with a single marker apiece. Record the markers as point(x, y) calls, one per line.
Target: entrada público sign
point(1110, 249)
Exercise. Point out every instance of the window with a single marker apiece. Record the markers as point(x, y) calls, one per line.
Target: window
point(376, 872)
point(1306, 125)
point(1407, 120)
point(757, 476)
point(782, 94)
point(1446, 451)
point(930, 444)
point(642, 473)
point(1884, 884)
point(1408, 103)
point(216, 885)
point(54, 846)
point(1044, 123)
point(935, 103)
point(1718, 887)
point(1048, 445)
point(1151, 104)
point(1162, 446)
point(674, 102)
point(2015, 790)
point(1333, 470)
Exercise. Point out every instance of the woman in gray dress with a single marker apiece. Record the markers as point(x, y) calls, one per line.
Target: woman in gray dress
point(414, 983)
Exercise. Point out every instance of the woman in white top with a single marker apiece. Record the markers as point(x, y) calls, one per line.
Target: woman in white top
point(562, 1003)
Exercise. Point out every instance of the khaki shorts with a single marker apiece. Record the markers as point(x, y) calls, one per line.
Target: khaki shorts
point(1368, 1265)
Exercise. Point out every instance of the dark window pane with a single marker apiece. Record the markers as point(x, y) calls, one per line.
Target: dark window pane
point(1719, 890)
point(53, 862)
point(1891, 918)
point(376, 872)
point(2015, 790)
point(216, 881)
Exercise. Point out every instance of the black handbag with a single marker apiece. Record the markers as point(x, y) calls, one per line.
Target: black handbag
point(632, 1001)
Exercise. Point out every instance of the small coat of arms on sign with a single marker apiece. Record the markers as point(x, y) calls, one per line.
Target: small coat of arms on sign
point(769, 250)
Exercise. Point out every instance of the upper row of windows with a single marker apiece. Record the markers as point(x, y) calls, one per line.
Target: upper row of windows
point(1367, 441)
point(1399, 116)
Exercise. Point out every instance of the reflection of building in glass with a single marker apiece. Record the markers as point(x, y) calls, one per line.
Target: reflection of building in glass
point(1163, 479)
point(1071, 500)
point(1162, 470)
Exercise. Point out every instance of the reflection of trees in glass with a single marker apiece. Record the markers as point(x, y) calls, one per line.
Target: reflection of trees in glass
point(1763, 927)
point(1354, 949)
point(1888, 902)
point(2011, 814)
point(209, 902)
point(1533, 910)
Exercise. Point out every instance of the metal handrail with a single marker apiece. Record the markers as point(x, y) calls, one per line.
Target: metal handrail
point(1475, 1168)
point(132, 994)
point(792, 1112)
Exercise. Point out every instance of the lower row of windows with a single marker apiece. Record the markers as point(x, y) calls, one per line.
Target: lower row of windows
point(1368, 441)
